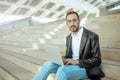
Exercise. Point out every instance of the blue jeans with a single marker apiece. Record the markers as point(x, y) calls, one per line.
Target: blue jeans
point(64, 72)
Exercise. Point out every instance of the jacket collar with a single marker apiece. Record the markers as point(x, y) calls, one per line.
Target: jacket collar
point(83, 40)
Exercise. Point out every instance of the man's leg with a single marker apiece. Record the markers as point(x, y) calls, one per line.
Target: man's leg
point(72, 72)
point(46, 69)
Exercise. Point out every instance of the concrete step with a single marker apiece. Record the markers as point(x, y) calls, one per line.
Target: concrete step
point(11, 71)
point(107, 27)
point(31, 46)
point(16, 43)
point(108, 66)
point(107, 78)
point(15, 48)
point(1, 78)
point(29, 51)
point(36, 53)
point(23, 38)
point(28, 43)
point(24, 61)
point(110, 54)
point(12, 74)
point(109, 18)
point(107, 53)
point(4, 75)
point(110, 43)
point(111, 69)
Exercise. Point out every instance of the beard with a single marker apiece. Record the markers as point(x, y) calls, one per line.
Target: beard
point(74, 28)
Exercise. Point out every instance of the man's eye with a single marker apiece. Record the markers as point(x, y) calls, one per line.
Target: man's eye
point(75, 20)
point(69, 21)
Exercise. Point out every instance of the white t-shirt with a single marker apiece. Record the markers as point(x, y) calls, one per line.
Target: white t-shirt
point(76, 41)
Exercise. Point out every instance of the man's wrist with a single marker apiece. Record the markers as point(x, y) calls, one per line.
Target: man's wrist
point(77, 62)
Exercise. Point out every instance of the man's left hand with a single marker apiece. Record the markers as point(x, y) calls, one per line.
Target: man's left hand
point(70, 62)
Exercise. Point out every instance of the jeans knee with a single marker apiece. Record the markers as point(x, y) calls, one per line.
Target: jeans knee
point(61, 74)
point(50, 64)
point(61, 69)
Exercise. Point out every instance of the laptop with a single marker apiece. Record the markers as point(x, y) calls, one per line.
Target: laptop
point(54, 54)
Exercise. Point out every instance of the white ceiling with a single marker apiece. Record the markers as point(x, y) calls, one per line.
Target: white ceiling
point(49, 9)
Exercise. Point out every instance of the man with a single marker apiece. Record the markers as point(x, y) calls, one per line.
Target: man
point(82, 53)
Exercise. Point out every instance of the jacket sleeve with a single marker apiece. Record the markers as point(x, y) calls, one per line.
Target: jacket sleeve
point(93, 56)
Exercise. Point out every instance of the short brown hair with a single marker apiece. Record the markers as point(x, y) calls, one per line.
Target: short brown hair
point(72, 12)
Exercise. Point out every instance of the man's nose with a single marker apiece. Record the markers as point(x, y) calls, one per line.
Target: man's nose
point(72, 22)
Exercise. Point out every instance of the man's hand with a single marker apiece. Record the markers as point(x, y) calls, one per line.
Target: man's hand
point(70, 61)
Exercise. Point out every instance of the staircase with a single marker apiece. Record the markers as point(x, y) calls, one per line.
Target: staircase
point(22, 51)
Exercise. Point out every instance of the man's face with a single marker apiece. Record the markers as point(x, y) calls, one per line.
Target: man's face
point(72, 22)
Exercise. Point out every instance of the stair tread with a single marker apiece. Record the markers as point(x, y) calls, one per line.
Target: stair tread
point(23, 57)
point(111, 62)
point(15, 70)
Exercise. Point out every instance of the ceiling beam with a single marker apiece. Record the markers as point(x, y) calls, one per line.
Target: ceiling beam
point(36, 8)
point(14, 6)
